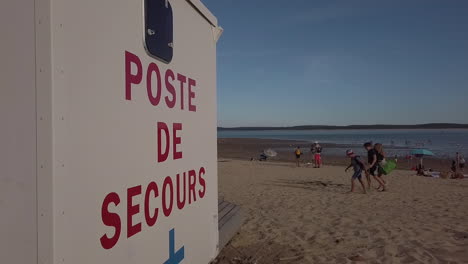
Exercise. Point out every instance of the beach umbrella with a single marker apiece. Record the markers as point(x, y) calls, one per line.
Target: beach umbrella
point(270, 153)
point(421, 153)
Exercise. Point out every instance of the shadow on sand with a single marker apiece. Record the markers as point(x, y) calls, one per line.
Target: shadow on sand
point(309, 185)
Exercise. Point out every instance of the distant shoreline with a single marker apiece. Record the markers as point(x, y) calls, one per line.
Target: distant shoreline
point(354, 127)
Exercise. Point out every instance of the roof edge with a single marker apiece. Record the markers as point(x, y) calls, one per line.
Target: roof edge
point(204, 11)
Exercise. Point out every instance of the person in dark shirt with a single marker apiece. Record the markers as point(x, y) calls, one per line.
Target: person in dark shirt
point(453, 168)
point(358, 167)
point(372, 161)
point(380, 154)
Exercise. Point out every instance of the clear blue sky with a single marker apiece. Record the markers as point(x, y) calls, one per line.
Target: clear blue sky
point(304, 62)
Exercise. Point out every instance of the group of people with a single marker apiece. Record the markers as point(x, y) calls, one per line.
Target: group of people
point(316, 151)
point(458, 167)
point(374, 166)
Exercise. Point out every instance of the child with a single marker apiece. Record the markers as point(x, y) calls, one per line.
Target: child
point(298, 153)
point(358, 166)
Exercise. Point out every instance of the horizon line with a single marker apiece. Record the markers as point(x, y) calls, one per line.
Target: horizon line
point(373, 126)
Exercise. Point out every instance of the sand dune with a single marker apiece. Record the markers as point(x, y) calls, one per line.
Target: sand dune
point(303, 215)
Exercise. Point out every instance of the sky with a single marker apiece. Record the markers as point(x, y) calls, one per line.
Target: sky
point(326, 62)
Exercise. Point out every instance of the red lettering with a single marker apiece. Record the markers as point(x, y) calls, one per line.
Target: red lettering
point(151, 213)
point(132, 210)
point(151, 220)
point(170, 88)
point(162, 156)
point(192, 181)
point(182, 79)
point(191, 83)
point(167, 209)
point(134, 77)
point(202, 181)
point(154, 100)
point(181, 202)
point(177, 140)
point(110, 219)
point(129, 77)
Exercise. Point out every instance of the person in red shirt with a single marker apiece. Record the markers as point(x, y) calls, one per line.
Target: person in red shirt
point(317, 151)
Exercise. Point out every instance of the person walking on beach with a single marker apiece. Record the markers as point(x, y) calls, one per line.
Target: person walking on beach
point(453, 168)
point(380, 162)
point(358, 167)
point(317, 151)
point(461, 164)
point(298, 154)
point(372, 161)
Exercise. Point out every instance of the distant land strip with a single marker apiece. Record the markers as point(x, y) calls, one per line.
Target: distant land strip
point(320, 127)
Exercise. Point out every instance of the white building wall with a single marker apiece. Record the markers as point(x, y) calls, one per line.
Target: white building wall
point(18, 229)
point(103, 143)
point(68, 137)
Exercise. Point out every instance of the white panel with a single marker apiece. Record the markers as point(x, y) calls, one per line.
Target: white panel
point(44, 132)
point(18, 230)
point(205, 12)
point(104, 143)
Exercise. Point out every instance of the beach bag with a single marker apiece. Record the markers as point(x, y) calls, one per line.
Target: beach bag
point(388, 167)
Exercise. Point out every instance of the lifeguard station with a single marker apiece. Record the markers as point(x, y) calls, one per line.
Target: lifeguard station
point(108, 132)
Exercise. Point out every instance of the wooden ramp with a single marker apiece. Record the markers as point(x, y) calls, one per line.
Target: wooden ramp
point(230, 219)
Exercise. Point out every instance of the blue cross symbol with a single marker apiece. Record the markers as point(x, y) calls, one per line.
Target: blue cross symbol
point(174, 257)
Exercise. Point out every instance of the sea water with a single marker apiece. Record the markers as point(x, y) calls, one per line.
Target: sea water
point(444, 143)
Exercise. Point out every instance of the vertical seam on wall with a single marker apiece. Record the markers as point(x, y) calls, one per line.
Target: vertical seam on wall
point(35, 118)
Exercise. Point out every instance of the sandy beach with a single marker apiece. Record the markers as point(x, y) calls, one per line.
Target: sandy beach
point(305, 215)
